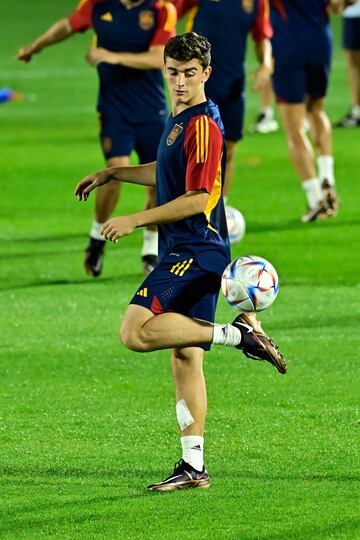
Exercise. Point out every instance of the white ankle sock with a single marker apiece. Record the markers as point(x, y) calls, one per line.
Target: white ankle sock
point(313, 191)
point(269, 112)
point(193, 451)
point(95, 230)
point(326, 169)
point(226, 334)
point(150, 243)
point(355, 111)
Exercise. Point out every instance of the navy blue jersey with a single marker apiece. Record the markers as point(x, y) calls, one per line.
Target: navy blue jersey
point(137, 94)
point(226, 24)
point(301, 31)
point(191, 157)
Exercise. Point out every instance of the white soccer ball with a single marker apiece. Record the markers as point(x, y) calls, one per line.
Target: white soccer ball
point(250, 283)
point(235, 224)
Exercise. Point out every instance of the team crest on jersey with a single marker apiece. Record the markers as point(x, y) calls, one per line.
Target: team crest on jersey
point(173, 135)
point(248, 5)
point(146, 19)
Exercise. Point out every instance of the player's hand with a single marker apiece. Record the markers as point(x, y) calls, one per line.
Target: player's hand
point(90, 182)
point(96, 55)
point(26, 53)
point(336, 6)
point(261, 78)
point(117, 227)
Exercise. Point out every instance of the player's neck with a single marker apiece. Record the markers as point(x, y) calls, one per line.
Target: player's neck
point(178, 108)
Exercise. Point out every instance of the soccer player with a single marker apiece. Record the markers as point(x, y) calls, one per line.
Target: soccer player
point(174, 307)
point(227, 26)
point(351, 43)
point(128, 54)
point(302, 52)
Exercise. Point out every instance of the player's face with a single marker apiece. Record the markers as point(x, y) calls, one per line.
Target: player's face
point(185, 81)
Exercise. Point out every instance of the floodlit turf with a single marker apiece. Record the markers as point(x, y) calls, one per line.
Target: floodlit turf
point(84, 424)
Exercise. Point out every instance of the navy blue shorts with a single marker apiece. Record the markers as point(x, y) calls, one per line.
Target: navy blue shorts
point(351, 33)
point(120, 138)
point(292, 82)
point(180, 285)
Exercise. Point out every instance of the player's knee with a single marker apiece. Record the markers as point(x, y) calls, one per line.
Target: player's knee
point(134, 339)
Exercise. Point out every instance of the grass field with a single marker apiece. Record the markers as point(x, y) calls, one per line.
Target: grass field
point(85, 425)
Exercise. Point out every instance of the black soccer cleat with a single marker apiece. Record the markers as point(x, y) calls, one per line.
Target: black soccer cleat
point(149, 263)
point(330, 197)
point(348, 121)
point(183, 477)
point(94, 257)
point(257, 345)
point(321, 211)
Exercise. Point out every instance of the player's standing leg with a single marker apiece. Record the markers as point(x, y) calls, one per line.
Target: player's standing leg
point(322, 138)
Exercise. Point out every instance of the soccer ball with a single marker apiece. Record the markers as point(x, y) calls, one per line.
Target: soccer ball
point(250, 283)
point(235, 224)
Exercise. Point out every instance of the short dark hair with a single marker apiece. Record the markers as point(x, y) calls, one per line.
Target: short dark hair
point(187, 47)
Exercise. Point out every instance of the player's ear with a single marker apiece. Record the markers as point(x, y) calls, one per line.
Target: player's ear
point(206, 73)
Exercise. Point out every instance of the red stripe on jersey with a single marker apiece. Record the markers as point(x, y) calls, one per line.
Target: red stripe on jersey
point(81, 19)
point(203, 146)
point(166, 19)
point(279, 6)
point(182, 6)
point(262, 28)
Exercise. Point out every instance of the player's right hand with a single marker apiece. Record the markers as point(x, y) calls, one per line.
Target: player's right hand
point(90, 182)
point(25, 54)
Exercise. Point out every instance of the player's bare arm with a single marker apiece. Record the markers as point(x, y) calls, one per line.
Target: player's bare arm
point(151, 59)
point(57, 32)
point(190, 204)
point(262, 74)
point(143, 175)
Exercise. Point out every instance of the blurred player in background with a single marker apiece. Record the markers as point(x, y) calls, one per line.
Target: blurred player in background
point(351, 43)
point(227, 25)
point(265, 121)
point(302, 47)
point(175, 306)
point(130, 38)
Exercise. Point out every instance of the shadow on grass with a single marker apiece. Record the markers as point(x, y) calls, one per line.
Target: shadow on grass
point(292, 224)
point(123, 278)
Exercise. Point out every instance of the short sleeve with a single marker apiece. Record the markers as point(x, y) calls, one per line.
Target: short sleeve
point(203, 148)
point(262, 28)
point(182, 6)
point(81, 19)
point(166, 20)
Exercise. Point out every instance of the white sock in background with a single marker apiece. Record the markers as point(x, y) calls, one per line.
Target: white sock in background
point(355, 111)
point(326, 169)
point(193, 451)
point(313, 191)
point(269, 112)
point(150, 243)
point(95, 230)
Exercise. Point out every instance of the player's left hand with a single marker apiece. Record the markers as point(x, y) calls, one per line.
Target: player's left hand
point(117, 227)
point(96, 55)
point(261, 78)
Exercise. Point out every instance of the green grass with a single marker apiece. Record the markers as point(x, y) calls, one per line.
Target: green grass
point(86, 424)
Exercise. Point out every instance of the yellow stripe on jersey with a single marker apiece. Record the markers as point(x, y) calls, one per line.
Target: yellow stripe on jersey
point(190, 19)
point(186, 267)
point(80, 4)
point(171, 16)
point(94, 41)
point(202, 139)
point(197, 141)
point(214, 197)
